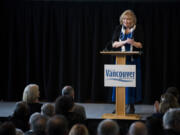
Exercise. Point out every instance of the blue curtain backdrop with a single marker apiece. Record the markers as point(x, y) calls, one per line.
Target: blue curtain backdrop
point(55, 43)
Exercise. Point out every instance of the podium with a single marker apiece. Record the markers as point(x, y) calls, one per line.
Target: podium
point(120, 91)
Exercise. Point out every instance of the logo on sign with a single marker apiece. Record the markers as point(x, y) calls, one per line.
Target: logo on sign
point(120, 75)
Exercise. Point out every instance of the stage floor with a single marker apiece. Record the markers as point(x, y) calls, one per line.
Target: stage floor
point(93, 110)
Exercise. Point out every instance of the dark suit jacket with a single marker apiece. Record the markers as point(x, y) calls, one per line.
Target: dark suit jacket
point(138, 37)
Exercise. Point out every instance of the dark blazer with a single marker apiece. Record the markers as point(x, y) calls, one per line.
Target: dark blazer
point(138, 37)
point(34, 107)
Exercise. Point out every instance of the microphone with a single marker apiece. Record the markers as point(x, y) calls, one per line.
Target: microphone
point(108, 46)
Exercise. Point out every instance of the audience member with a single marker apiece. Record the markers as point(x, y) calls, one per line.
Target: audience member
point(31, 97)
point(71, 116)
point(138, 128)
point(79, 129)
point(108, 127)
point(20, 116)
point(69, 91)
point(167, 101)
point(171, 122)
point(154, 126)
point(174, 91)
point(48, 110)
point(7, 128)
point(171, 96)
point(63, 106)
point(57, 125)
point(39, 125)
point(32, 118)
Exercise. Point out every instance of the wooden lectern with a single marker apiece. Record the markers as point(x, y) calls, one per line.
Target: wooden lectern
point(120, 91)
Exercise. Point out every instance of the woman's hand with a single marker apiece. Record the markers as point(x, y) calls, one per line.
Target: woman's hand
point(118, 44)
point(134, 43)
point(130, 41)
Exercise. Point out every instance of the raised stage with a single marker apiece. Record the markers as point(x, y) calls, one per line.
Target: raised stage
point(93, 110)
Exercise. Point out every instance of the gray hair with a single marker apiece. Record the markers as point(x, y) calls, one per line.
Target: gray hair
point(48, 110)
point(108, 127)
point(39, 124)
point(67, 90)
point(33, 117)
point(171, 118)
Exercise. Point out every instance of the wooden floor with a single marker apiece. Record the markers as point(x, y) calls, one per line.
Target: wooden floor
point(93, 110)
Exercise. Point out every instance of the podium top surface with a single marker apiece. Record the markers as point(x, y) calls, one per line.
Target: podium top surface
point(119, 53)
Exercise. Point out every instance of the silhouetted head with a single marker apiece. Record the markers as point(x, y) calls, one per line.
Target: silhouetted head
point(57, 125)
point(63, 104)
point(68, 91)
point(138, 128)
point(108, 127)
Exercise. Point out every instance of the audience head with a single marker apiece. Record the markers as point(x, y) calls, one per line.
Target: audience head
point(31, 93)
point(168, 97)
point(167, 101)
point(33, 117)
point(7, 128)
point(48, 110)
point(57, 125)
point(174, 91)
point(38, 125)
point(154, 126)
point(138, 128)
point(21, 110)
point(171, 119)
point(68, 91)
point(63, 104)
point(108, 127)
point(79, 129)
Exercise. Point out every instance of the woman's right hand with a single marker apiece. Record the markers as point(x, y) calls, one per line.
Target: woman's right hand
point(118, 44)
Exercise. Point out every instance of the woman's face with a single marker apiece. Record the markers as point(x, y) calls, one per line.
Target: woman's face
point(127, 21)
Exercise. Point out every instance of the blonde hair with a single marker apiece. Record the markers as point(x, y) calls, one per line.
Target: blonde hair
point(79, 129)
point(128, 13)
point(31, 93)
